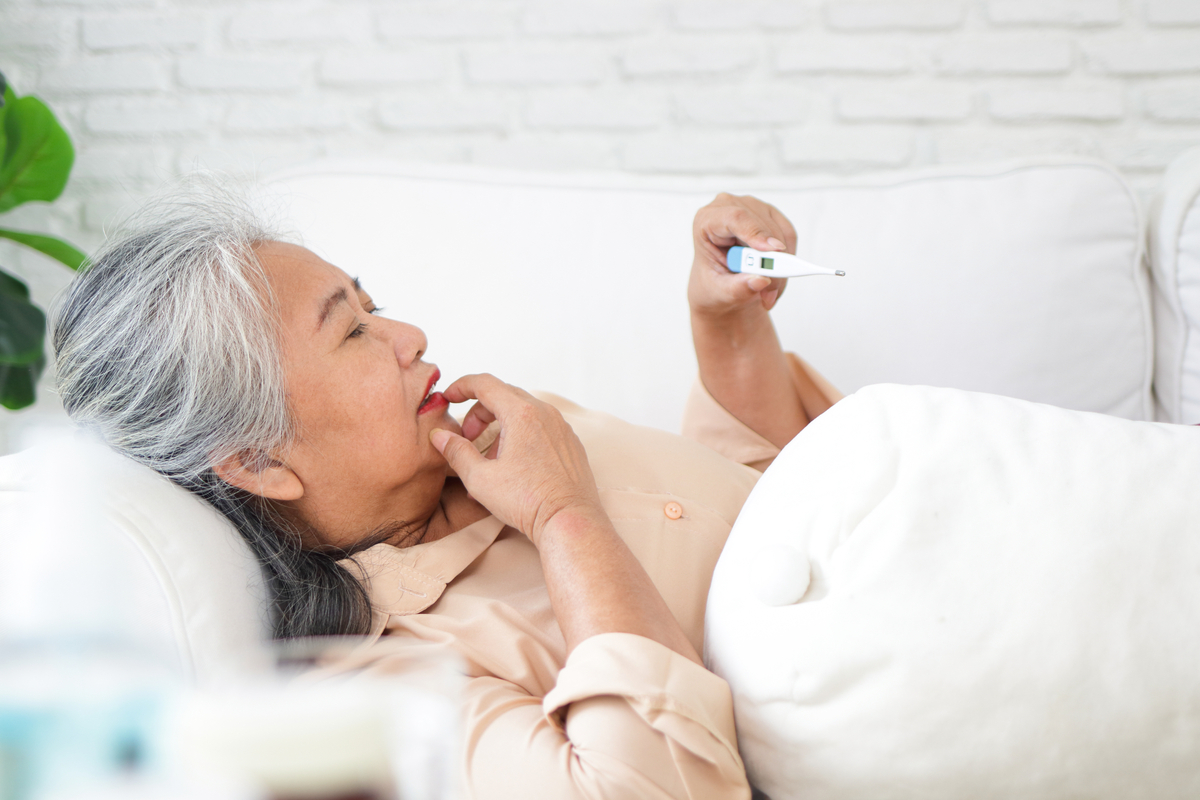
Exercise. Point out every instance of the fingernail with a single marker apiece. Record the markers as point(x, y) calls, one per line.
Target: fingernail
point(758, 283)
point(775, 244)
point(439, 437)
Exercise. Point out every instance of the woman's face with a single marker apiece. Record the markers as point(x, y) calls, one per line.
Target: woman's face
point(360, 393)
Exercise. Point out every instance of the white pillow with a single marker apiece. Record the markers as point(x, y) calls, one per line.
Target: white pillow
point(1175, 259)
point(93, 544)
point(999, 600)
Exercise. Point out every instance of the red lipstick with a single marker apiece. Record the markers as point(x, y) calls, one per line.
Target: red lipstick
point(435, 400)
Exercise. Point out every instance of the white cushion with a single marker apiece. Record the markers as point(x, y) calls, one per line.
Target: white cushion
point(1023, 278)
point(1175, 258)
point(92, 543)
point(998, 599)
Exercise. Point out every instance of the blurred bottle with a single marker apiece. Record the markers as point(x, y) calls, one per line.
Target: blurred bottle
point(323, 730)
point(83, 677)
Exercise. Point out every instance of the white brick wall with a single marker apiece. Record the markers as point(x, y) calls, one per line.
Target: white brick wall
point(1173, 12)
point(118, 32)
point(152, 88)
point(913, 15)
point(815, 56)
point(1055, 12)
point(1028, 105)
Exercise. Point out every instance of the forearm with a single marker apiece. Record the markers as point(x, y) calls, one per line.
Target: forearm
point(744, 368)
point(597, 586)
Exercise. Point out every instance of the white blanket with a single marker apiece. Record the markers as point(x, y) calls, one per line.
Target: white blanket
point(995, 599)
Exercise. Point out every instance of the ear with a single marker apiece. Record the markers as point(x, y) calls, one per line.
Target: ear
point(260, 475)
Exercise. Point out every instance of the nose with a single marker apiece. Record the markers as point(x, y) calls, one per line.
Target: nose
point(408, 341)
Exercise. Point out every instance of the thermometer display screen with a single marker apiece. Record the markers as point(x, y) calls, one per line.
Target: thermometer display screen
point(768, 263)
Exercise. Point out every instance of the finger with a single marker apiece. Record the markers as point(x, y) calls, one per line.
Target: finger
point(718, 257)
point(783, 235)
point(466, 387)
point(778, 227)
point(474, 387)
point(742, 289)
point(476, 421)
point(497, 396)
point(738, 288)
point(781, 285)
point(784, 224)
point(458, 452)
point(725, 226)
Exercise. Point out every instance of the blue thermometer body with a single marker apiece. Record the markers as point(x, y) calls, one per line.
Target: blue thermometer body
point(774, 265)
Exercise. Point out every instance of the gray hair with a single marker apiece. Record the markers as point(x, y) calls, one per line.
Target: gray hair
point(168, 347)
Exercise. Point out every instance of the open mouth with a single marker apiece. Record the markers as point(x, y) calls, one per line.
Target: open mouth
point(432, 399)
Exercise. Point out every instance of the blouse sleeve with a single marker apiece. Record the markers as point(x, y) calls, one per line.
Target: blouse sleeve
point(706, 421)
point(628, 718)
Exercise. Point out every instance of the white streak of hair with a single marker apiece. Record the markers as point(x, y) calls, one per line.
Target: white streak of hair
point(183, 368)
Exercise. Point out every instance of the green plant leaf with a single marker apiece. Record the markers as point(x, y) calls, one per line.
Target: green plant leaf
point(6, 96)
point(13, 286)
point(18, 384)
point(38, 155)
point(51, 246)
point(22, 324)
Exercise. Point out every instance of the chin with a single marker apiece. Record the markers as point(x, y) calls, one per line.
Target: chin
point(444, 421)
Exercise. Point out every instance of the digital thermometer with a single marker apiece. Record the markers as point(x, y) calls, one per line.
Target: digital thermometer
point(773, 265)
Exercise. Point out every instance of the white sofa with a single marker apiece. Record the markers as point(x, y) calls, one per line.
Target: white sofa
point(1028, 279)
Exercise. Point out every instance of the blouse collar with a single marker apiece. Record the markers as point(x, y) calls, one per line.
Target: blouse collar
point(409, 580)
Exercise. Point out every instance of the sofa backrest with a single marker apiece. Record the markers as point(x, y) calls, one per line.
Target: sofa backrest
point(93, 545)
point(1174, 237)
point(1023, 278)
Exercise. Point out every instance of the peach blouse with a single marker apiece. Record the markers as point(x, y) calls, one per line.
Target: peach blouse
point(622, 716)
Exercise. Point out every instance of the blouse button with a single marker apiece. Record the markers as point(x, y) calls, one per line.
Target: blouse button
point(673, 510)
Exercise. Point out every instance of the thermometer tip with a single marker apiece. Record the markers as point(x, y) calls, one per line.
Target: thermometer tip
point(840, 273)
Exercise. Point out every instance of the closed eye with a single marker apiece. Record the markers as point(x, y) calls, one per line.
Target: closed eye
point(357, 331)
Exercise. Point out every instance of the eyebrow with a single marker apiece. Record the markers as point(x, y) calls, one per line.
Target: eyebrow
point(340, 296)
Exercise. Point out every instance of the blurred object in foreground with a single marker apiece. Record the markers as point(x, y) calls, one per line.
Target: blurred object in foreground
point(323, 734)
point(83, 679)
point(101, 690)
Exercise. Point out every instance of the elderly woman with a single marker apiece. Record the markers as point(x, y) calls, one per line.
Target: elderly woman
point(564, 554)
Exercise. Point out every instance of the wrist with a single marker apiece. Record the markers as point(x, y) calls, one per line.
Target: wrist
point(733, 326)
point(572, 521)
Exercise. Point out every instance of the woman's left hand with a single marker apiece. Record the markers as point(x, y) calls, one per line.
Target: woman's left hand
point(729, 220)
point(742, 363)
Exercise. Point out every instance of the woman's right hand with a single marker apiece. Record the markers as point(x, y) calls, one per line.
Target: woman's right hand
point(540, 469)
point(540, 483)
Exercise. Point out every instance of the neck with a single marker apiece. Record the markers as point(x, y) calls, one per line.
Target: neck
point(455, 511)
